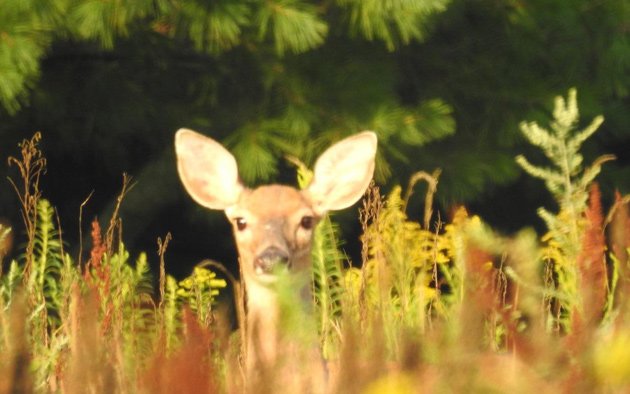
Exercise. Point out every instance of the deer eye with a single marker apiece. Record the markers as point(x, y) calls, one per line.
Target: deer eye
point(241, 224)
point(307, 222)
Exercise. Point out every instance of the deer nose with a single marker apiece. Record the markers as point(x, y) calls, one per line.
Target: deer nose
point(269, 259)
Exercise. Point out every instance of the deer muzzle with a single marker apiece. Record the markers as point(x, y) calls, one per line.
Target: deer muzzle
point(271, 259)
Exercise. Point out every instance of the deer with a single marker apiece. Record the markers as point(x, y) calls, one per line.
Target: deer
point(273, 225)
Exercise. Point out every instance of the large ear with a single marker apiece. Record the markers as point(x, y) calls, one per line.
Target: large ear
point(207, 170)
point(343, 172)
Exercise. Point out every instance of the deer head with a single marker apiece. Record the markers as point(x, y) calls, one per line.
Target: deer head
point(273, 224)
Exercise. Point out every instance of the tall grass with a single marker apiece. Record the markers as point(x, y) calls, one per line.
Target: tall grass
point(432, 307)
point(94, 327)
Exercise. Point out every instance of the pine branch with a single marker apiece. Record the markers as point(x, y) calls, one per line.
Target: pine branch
point(293, 24)
point(105, 21)
point(25, 36)
point(395, 22)
point(213, 27)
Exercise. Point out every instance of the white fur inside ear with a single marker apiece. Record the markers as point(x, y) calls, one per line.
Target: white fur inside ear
point(343, 172)
point(207, 170)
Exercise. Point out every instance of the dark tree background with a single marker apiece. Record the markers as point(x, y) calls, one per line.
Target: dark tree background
point(444, 84)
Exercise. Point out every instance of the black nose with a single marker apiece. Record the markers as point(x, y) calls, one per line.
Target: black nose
point(268, 260)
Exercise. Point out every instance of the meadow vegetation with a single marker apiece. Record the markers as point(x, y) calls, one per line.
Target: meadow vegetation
point(433, 305)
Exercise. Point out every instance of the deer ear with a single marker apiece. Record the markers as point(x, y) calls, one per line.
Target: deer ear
point(207, 170)
point(343, 172)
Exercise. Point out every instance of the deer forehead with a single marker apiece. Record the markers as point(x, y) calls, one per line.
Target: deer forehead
point(272, 202)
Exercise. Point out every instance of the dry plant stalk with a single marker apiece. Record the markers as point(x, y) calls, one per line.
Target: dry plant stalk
point(31, 165)
point(480, 295)
point(238, 292)
point(89, 368)
point(619, 232)
point(372, 204)
point(189, 369)
point(115, 223)
point(162, 245)
point(16, 359)
point(83, 204)
point(97, 274)
point(592, 263)
point(432, 182)
point(619, 235)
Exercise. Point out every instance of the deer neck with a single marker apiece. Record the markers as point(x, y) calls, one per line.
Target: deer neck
point(264, 313)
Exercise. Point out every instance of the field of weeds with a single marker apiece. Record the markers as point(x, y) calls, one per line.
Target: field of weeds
point(432, 307)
